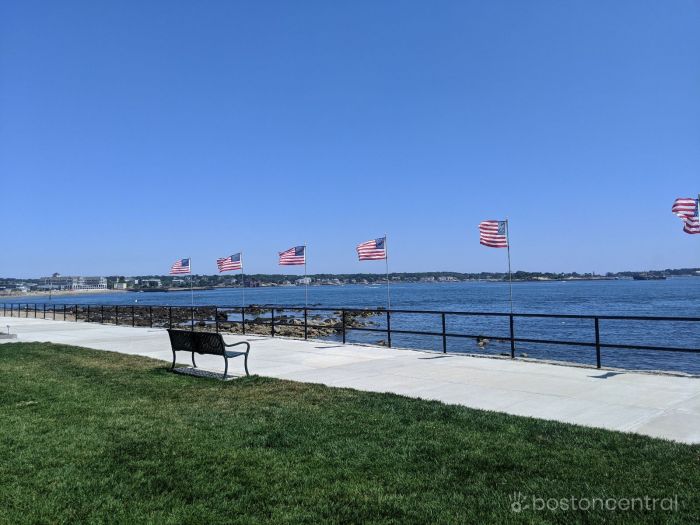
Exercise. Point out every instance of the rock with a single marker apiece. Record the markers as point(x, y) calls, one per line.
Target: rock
point(482, 341)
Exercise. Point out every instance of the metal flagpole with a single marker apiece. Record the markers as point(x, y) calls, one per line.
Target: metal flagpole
point(510, 275)
point(191, 290)
point(386, 260)
point(242, 279)
point(306, 282)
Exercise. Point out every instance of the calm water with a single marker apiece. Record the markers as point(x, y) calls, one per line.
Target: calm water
point(673, 297)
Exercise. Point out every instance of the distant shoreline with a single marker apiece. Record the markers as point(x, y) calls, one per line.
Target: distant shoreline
point(57, 293)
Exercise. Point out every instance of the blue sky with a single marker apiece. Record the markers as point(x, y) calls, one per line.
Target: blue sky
point(134, 133)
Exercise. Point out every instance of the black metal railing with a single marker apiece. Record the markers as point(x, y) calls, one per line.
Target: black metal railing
point(263, 320)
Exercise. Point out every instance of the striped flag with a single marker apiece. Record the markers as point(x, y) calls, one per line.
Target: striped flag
point(181, 266)
point(293, 256)
point(493, 234)
point(232, 262)
point(687, 210)
point(373, 250)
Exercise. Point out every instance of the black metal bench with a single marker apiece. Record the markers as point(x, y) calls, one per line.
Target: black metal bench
point(205, 343)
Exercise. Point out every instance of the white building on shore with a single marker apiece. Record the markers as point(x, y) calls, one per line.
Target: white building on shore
point(73, 283)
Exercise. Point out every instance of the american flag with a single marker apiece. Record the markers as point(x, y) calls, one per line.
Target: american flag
point(687, 210)
point(293, 256)
point(232, 262)
point(181, 266)
point(373, 250)
point(493, 234)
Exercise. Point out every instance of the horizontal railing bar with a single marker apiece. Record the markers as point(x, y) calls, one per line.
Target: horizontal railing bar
point(647, 347)
point(505, 339)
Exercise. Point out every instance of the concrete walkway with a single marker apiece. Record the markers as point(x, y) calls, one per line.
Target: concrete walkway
point(654, 405)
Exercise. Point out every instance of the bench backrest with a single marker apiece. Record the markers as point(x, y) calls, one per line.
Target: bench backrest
point(199, 342)
point(208, 343)
point(182, 340)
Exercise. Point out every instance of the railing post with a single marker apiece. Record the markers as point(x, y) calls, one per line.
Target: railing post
point(133, 316)
point(64, 312)
point(306, 323)
point(342, 317)
point(44, 310)
point(272, 324)
point(444, 333)
point(243, 318)
point(512, 337)
point(597, 343)
point(102, 314)
point(150, 316)
point(88, 313)
point(34, 310)
point(170, 317)
point(388, 328)
point(216, 318)
point(116, 315)
point(192, 318)
point(53, 309)
point(76, 313)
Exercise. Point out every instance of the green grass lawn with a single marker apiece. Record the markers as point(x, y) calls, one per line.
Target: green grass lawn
point(96, 436)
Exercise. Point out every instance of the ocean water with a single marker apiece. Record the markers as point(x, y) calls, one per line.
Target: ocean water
point(672, 297)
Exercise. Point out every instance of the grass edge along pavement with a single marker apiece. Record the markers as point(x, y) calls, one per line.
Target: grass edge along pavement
point(97, 436)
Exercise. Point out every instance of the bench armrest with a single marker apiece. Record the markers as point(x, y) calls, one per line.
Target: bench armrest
point(240, 343)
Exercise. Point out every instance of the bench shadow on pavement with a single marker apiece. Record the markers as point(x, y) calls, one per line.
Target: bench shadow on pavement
point(199, 372)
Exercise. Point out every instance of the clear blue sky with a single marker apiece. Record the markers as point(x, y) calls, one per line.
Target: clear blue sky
point(134, 133)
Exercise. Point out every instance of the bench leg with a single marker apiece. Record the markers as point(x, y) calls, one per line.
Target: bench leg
point(245, 364)
point(173, 367)
point(193, 363)
point(225, 366)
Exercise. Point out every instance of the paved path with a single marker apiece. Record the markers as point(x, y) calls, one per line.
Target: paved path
point(655, 405)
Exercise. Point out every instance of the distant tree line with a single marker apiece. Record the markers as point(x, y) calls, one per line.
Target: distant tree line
point(258, 279)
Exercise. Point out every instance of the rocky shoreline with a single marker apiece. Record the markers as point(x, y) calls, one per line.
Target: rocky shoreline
point(258, 319)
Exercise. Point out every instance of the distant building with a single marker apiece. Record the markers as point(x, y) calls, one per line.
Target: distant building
point(119, 286)
point(151, 283)
point(75, 283)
